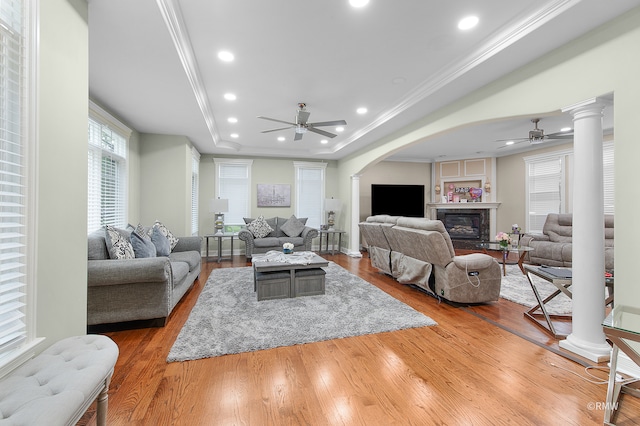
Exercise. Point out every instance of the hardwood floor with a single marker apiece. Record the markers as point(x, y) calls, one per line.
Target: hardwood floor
point(467, 370)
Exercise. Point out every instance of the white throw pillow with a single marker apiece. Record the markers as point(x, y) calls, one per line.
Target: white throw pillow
point(259, 227)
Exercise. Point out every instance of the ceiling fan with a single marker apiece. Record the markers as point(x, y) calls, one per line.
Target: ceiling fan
point(537, 136)
point(301, 125)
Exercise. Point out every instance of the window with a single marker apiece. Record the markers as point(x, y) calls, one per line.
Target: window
point(310, 192)
point(17, 146)
point(107, 197)
point(195, 185)
point(607, 175)
point(547, 178)
point(233, 182)
point(545, 188)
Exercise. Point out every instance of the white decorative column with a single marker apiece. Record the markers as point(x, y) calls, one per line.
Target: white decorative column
point(354, 232)
point(587, 338)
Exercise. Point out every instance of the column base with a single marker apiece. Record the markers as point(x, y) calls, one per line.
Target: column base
point(352, 253)
point(592, 351)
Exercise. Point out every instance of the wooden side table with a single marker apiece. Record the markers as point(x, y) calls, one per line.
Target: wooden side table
point(332, 232)
point(219, 237)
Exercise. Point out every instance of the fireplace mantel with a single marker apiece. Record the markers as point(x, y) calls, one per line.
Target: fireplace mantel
point(432, 210)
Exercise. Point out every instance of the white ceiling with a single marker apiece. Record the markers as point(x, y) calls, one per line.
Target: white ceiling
point(154, 64)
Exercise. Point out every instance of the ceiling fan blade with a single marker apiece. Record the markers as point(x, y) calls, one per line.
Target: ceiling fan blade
point(515, 143)
point(297, 137)
point(560, 135)
point(516, 140)
point(329, 123)
point(303, 116)
point(277, 121)
point(321, 132)
point(276, 130)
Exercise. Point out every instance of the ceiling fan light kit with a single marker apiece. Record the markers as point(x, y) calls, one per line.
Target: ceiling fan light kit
point(301, 126)
point(537, 136)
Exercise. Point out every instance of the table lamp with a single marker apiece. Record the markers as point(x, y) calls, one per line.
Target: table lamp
point(218, 206)
point(331, 206)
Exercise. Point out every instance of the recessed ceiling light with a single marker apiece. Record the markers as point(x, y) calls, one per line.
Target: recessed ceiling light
point(324, 141)
point(468, 22)
point(565, 129)
point(225, 56)
point(281, 138)
point(230, 96)
point(398, 80)
point(361, 110)
point(340, 129)
point(510, 143)
point(358, 3)
point(234, 135)
point(232, 120)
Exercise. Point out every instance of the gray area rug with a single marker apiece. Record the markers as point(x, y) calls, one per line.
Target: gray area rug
point(516, 288)
point(228, 319)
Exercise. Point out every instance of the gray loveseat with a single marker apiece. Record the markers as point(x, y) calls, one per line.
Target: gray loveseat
point(277, 237)
point(419, 251)
point(553, 246)
point(138, 289)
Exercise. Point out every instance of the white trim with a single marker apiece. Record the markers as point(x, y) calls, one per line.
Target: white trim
point(548, 155)
point(448, 74)
point(457, 163)
point(99, 114)
point(477, 160)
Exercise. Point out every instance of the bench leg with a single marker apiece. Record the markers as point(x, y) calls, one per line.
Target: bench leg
point(103, 404)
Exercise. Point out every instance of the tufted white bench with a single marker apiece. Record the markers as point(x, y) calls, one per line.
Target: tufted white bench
point(58, 386)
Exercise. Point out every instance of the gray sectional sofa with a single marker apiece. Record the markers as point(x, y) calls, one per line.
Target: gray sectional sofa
point(123, 290)
point(553, 246)
point(277, 237)
point(419, 251)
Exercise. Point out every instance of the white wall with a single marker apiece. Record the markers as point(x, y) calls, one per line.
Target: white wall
point(61, 204)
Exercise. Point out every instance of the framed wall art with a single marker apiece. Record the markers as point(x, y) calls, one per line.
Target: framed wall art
point(274, 195)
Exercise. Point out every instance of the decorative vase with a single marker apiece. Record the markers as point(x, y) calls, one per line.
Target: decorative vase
point(287, 251)
point(504, 244)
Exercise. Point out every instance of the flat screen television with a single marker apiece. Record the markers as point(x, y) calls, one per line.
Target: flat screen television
point(397, 200)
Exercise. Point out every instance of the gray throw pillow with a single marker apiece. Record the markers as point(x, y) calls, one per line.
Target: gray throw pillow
point(118, 244)
point(292, 227)
point(163, 248)
point(142, 247)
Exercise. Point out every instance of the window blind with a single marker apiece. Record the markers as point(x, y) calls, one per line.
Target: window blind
point(195, 189)
point(107, 177)
point(545, 180)
point(234, 184)
point(310, 192)
point(608, 182)
point(13, 178)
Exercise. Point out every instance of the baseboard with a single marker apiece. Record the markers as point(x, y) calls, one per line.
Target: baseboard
point(126, 325)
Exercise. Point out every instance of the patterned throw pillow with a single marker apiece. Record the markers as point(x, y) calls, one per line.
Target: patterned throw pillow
point(165, 231)
point(118, 245)
point(259, 227)
point(292, 227)
point(142, 232)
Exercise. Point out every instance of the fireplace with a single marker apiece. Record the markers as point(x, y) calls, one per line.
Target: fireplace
point(463, 226)
point(466, 226)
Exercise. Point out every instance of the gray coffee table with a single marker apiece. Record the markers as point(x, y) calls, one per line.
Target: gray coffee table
point(275, 279)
